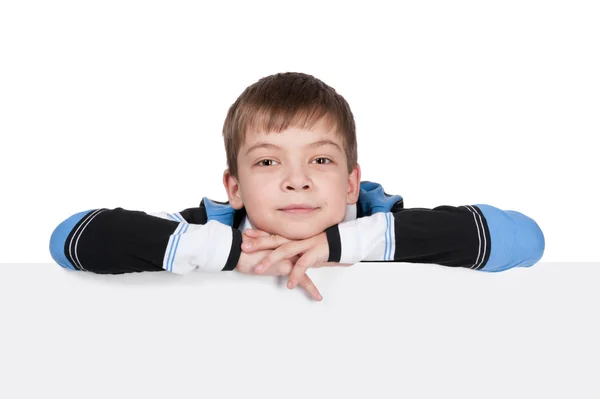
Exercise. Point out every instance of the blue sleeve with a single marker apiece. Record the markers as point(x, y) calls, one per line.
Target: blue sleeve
point(517, 240)
point(59, 238)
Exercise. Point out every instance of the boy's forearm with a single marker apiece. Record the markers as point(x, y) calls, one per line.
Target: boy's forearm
point(479, 237)
point(121, 241)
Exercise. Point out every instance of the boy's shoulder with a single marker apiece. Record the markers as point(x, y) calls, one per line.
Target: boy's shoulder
point(371, 199)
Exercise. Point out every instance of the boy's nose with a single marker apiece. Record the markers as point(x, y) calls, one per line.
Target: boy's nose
point(294, 187)
point(297, 181)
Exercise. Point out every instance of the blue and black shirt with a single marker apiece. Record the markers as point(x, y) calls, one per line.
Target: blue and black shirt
point(376, 228)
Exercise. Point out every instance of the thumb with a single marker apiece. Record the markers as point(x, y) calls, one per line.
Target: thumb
point(256, 233)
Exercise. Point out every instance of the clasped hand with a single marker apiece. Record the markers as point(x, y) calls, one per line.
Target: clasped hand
point(273, 255)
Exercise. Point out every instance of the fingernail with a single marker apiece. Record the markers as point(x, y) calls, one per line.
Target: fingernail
point(319, 297)
point(250, 230)
point(290, 285)
point(259, 268)
point(247, 245)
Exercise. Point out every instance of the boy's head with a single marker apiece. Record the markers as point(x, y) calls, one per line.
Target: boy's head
point(290, 140)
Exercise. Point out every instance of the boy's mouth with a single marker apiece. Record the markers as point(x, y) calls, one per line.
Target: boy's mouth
point(298, 209)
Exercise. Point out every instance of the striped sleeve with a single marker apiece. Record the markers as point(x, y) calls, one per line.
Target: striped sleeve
point(479, 237)
point(116, 241)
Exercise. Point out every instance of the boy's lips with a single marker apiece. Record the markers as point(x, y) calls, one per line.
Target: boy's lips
point(298, 209)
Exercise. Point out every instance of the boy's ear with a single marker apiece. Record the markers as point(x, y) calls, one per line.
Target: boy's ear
point(354, 185)
point(233, 190)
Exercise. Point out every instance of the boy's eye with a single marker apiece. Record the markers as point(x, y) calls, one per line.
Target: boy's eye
point(269, 162)
point(323, 159)
point(264, 160)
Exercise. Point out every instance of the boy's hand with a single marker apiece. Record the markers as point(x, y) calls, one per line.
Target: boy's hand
point(282, 268)
point(313, 251)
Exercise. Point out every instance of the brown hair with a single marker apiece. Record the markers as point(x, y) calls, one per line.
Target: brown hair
point(279, 101)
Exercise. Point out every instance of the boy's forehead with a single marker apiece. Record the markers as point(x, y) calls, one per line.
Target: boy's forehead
point(293, 136)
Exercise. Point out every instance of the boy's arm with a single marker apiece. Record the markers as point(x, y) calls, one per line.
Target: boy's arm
point(115, 241)
point(479, 237)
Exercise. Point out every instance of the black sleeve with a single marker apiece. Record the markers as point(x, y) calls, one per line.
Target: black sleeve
point(478, 237)
point(115, 241)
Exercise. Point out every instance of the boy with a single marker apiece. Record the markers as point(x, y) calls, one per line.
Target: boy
point(293, 177)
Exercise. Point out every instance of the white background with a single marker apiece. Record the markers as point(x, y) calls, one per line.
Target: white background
point(121, 104)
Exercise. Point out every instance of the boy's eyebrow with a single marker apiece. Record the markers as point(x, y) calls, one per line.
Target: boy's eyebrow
point(311, 145)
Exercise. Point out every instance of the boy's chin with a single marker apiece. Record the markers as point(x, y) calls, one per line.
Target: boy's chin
point(298, 233)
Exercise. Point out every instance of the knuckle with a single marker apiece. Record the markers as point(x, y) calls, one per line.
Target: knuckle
point(295, 275)
point(266, 262)
point(285, 268)
point(302, 264)
point(263, 242)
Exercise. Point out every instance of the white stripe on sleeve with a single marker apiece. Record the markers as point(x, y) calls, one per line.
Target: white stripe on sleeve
point(202, 246)
point(367, 238)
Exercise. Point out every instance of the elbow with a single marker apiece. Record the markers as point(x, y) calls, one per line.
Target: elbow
point(517, 240)
point(59, 237)
point(57, 245)
point(530, 242)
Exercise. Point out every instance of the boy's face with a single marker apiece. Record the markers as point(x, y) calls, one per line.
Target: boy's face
point(293, 167)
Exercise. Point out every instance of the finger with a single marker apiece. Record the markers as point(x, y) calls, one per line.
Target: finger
point(255, 233)
point(270, 241)
point(282, 268)
point(285, 251)
point(300, 269)
point(307, 285)
point(247, 262)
